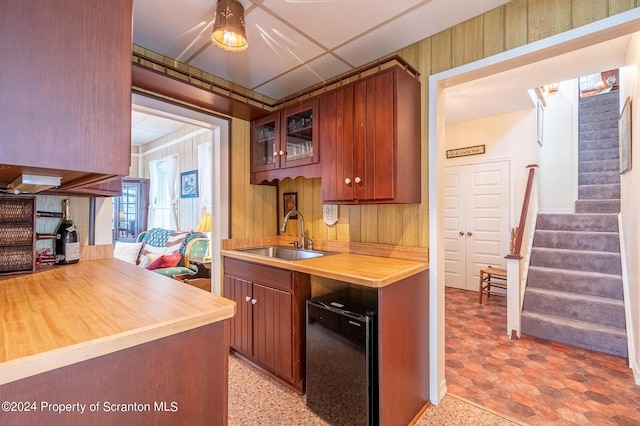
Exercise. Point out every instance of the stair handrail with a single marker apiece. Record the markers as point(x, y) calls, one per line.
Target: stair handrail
point(514, 263)
point(517, 244)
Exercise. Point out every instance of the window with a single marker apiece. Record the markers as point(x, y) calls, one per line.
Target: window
point(163, 193)
point(130, 210)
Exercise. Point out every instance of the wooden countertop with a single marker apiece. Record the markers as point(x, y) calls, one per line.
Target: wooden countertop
point(69, 314)
point(370, 271)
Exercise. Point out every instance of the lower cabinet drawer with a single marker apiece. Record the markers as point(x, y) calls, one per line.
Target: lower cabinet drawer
point(280, 279)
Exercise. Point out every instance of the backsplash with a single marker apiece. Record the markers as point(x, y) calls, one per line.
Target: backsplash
point(49, 225)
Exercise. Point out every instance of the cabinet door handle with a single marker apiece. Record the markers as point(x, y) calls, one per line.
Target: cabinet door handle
point(253, 301)
point(281, 152)
point(358, 180)
point(469, 234)
point(461, 233)
point(247, 298)
point(275, 153)
point(347, 181)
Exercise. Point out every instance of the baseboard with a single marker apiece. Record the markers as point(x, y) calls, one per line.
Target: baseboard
point(441, 391)
point(631, 343)
point(636, 373)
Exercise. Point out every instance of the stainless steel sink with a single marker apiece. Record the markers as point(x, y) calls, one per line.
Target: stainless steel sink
point(285, 253)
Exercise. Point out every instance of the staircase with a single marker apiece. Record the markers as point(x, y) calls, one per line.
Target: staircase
point(574, 291)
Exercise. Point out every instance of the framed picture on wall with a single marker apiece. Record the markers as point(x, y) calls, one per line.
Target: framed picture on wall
point(290, 202)
point(189, 184)
point(624, 130)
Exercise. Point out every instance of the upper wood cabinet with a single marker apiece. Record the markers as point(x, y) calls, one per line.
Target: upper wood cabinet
point(285, 144)
point(65, 108)
point(370, 138)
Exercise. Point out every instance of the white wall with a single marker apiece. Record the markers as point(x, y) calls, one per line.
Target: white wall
point(510, 137)
point(104, 213)
point(630, 202)
point(557, 158)
point(183, 142)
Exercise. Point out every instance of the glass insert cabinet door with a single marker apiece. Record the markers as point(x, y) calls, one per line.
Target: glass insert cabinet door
point(266, 143)
point(300, 135)
point(285, 138)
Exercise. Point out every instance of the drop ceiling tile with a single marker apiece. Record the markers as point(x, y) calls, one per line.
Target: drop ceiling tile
point(172, 28)
point(159, 124)
point(273, 49)
point(141, 137)
point(332, 22)
point(137, 117)
point(315, 72)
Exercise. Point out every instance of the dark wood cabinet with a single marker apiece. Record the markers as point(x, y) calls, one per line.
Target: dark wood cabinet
point(108, 188)
point(268, 328)
point(284, 144)
point(65, 108)
point(370, 136)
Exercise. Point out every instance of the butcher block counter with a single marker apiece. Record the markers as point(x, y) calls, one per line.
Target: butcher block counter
point(109, 333)
point(360, 269)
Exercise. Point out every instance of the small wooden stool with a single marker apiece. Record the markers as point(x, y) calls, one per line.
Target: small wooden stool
point(491, 276)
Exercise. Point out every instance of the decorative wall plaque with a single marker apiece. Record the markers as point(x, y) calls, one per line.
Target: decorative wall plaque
point(463, 152)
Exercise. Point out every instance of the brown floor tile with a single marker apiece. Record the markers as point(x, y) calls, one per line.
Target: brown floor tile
point(535, 381)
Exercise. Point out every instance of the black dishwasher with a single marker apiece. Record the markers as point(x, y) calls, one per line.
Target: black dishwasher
point(341, 370)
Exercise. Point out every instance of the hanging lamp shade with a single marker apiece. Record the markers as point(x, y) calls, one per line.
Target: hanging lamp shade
point(228, 26)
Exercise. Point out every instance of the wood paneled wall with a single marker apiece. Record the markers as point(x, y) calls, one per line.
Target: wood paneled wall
point(189, 137)
point(253, 207)
point(517, 23)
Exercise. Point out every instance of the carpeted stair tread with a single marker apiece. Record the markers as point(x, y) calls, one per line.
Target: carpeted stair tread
point(589, 261)
point(600, 101)
point(599, 166)
point(608, 191)
point(604, 112)
point(604, 125)
point(577, 240)
point(595, 178)
point(599, 143)
point(590, 283)
point(591, 222)
point(599, 154)
point(601, 338)
point(594, 309)
point(597, 206)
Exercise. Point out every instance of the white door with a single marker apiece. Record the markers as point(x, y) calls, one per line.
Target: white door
point(476, 217)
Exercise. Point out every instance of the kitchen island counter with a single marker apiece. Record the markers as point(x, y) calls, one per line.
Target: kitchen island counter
point(107, 330)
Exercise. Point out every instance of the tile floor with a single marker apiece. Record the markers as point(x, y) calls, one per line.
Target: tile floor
point(257, 399)
point(491, 380)
point(532, 380)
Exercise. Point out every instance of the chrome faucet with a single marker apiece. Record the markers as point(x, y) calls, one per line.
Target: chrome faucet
point(303, 238)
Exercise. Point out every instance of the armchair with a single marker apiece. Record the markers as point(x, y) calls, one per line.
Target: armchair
point(195, 246)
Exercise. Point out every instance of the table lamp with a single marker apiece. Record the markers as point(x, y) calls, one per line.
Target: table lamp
point(204, 226)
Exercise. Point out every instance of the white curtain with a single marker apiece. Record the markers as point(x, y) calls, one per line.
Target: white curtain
point(171, 167)
point(153, 193)
point(204, 177)
point(163, 193)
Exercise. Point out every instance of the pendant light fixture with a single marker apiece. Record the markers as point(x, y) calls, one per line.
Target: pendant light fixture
point(228, 26)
